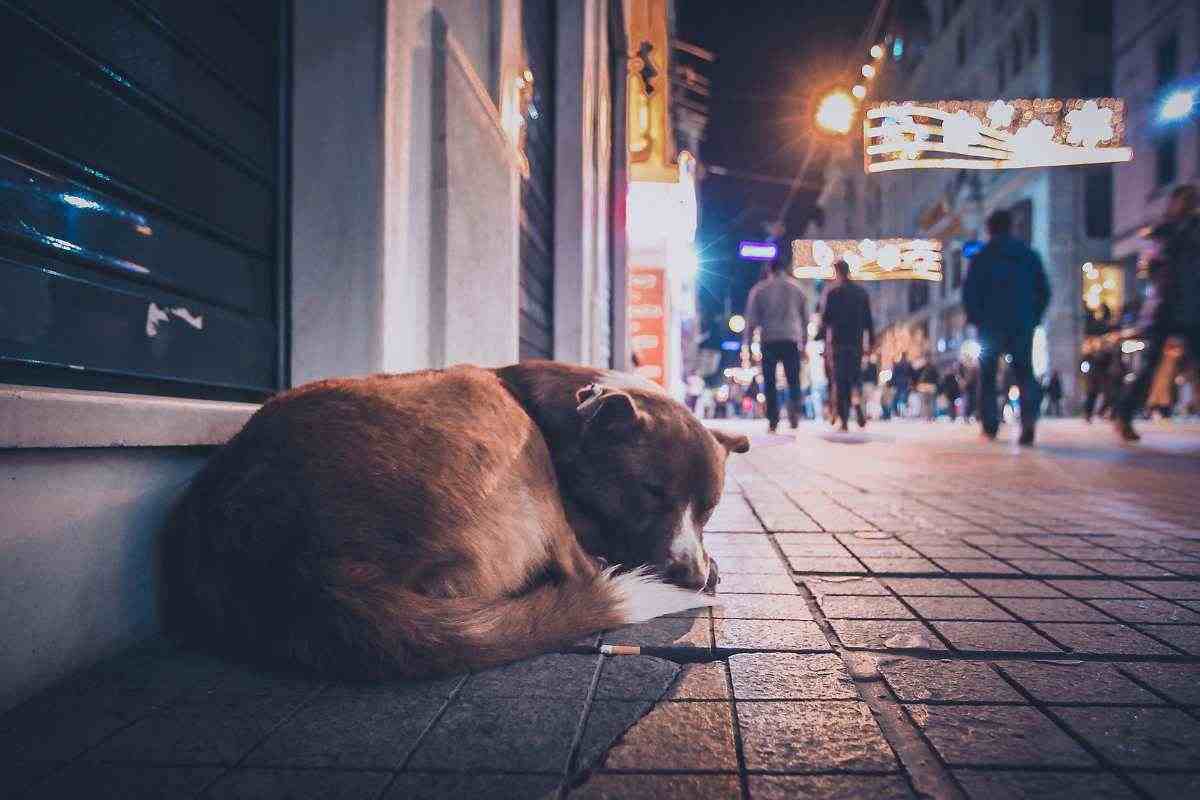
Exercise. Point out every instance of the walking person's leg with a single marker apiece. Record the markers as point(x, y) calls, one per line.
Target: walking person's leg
point(1134, 394)
point(770, 358)
point(989, 360)
point(844, 384)
point(1021, 349)
point(791, 371)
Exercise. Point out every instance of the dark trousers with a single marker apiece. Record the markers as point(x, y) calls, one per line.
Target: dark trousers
point(847, 364)
point(1019, 345)
point(1135, 393)
point(787, 353)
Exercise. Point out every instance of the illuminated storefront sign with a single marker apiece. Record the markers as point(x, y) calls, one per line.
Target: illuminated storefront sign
point(869, 259)
point(758, 251)
point(648, 316)
point(994, 134)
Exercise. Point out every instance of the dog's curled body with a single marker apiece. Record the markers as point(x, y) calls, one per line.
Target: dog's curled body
point(394, 526)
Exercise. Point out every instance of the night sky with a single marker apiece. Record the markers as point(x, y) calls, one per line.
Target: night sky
point(772, 57)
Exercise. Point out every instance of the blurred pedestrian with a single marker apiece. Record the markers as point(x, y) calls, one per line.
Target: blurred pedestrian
point(1174, 268)
point(846, 317)
point(902, 378)
point(951, 390)
point(778, 307)
point(928, 382)
point(1054, 395)
point(1005, 295)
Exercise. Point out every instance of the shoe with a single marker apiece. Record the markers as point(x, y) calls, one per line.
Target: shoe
point(1026, 439)
point(862, 418)
point(989, 435)
point(794, 422)
point(772, 427)
point(843, 427)
point(1124, 429)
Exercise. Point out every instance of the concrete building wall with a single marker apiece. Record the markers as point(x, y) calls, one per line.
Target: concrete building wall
point(1139, 198)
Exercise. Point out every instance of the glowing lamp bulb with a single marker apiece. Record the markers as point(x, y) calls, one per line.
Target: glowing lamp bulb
point(835, 112)
point(859, 91)
point(877, 51)
point(737, 323)
point(868, 71)
point(1178, 105)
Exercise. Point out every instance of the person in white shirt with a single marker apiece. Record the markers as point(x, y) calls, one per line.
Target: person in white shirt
point(778, 308)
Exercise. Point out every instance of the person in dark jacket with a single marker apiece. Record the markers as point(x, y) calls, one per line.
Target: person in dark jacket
point(951, 390)
point(844, 319)
point(1175, 274)
point(1005, 295)
point(1054, 394)
point(902, 378)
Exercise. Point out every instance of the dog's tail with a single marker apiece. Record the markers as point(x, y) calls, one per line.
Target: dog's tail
point(377, 630)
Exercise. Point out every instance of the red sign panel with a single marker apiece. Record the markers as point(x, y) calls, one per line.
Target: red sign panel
point(648, 315)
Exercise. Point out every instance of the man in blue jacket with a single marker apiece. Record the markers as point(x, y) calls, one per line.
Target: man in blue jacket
point(1005, 296)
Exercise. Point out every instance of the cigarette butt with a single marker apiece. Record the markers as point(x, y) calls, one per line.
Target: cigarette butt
point(620, 650)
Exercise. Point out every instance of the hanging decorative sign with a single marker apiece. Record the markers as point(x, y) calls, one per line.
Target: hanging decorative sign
point(994, 134)
point(869, 259)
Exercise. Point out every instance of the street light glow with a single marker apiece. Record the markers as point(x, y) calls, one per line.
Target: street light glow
point(859, 91)
point(868, 71)
point(835, 112)
point(1177, 105)
point(737, 323)
point(877, 51)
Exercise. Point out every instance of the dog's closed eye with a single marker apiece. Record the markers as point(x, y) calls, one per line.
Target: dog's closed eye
point(655, 491)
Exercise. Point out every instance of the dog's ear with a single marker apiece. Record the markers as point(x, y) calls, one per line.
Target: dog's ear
point(732, 444)
point(607, 410)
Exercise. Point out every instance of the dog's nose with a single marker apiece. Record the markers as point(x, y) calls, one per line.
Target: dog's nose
point(688, 574)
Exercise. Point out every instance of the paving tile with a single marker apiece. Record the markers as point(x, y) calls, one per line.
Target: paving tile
point(1146, 610)
point(830, 787)
point(790, 676)
point(808, 564)
point(1185, 637)
point(1052, 609)
point(812, 736)
point(853, 607)
point(944, 680)
point(1165, 786)
point(1103, 639)
point(1012, 587)
point(1013, 785)
point(738, 565)
point(156, 664)
point(505, 734)
point(751, 606)
point(876, 549)
point(1076, 682)
point(997, 636)
point(551, 675)
point(350, 732)
point(1175, 590)
point(275, 784)
point(58, 725)
point(1090, 589)
point(1130, 569)
point(701, 682)
point(844, 585)
point(768, 634)
point(113, 782)
point(1138, 737)
point(988, 566)
point(1051, 567)
point(894, 634)
point(16, 776)
point(1177, 681)
point(632, 678)
point(957, 608)
point(658, 787)
point(929, 587)
point(205, 728)
point(673, 736)
point(900, 566)
point(665, 632)
point(495, 786)
point(756, 584)
point(1015, 736)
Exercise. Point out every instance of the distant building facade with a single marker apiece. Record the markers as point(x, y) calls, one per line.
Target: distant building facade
point(951, 49)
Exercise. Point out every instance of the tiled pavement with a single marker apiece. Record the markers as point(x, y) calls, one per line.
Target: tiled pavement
point(906, 612)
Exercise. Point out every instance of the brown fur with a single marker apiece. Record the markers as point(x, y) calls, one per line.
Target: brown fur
point(405, 525)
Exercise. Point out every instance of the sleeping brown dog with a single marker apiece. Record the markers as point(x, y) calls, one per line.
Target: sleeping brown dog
point(407, 525)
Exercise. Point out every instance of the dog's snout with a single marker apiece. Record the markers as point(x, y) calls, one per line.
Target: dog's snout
point(693, 574)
